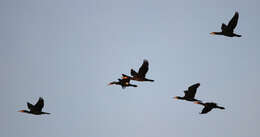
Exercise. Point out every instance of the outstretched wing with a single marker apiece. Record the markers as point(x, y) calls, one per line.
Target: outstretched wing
point(223, 27)
point(192, 90)
point(233, 22)
point(144, 68)
point(29, 105)
point(133, 73)
point(39, 105)
point(206, 109)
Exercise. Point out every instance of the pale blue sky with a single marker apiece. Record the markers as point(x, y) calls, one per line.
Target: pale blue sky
point(68, 51)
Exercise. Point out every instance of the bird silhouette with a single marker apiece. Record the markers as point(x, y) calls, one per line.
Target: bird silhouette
point(35, 109)
point(208, 106)
point(228, 30)
point(140, 75)
point(189, 95)
point(125, 82)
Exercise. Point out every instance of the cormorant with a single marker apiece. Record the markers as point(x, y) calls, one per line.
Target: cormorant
point(125, 82)
point(208, 106)
point(228, 30)
point(140, 76)
point(190, 93)
point(35, 109)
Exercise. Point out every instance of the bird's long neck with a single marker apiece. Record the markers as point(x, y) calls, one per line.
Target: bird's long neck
point(24, 111)
point(116, 83)
point(178, 97)
point(216, 33)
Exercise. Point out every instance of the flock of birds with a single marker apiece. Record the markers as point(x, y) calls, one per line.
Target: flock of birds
point(189, 95)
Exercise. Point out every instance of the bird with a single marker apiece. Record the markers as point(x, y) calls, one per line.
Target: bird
point(125, 82)
point(208, 106)
point(35, 109)
point(140, 76)
point(228, 30)
point(190, 93)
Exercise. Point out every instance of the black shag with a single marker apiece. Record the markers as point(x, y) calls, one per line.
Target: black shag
point(208, 106)
point(228, 30)
point(125, 82)
point(35, 109)
point(190, 93)
point(140, 75)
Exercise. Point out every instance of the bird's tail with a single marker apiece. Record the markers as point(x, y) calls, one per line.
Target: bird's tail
point(133, 85)
point(238, 35)
point(220, 107)
point(150, 80)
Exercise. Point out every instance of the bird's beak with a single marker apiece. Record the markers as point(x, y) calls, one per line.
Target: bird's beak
point(175, 97)
point(20, 111)
point(212, 33)
point(109, 84)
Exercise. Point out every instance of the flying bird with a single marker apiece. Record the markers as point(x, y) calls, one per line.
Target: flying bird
point(190, 93)
point(125, 82)
point(228, 30)
point(140, 75)
point(35, 109)
point(208, 106)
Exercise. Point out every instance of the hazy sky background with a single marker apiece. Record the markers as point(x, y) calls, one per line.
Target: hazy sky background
point(68, 51)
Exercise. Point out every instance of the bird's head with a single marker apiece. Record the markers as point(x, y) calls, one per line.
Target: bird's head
point(213, 33)
point(125, 77)
point(197, 102)
point(176, 97)
point(23, 111)
point(111, 83)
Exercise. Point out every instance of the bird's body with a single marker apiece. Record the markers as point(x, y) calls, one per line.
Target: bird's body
point(140, 75)
point(123, 83)
point(35, 109)
point(208, 106)
point(190, 93)
point(137, 78)
point(228, 30)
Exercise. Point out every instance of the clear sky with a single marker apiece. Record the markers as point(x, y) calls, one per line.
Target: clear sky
point(68, 51)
